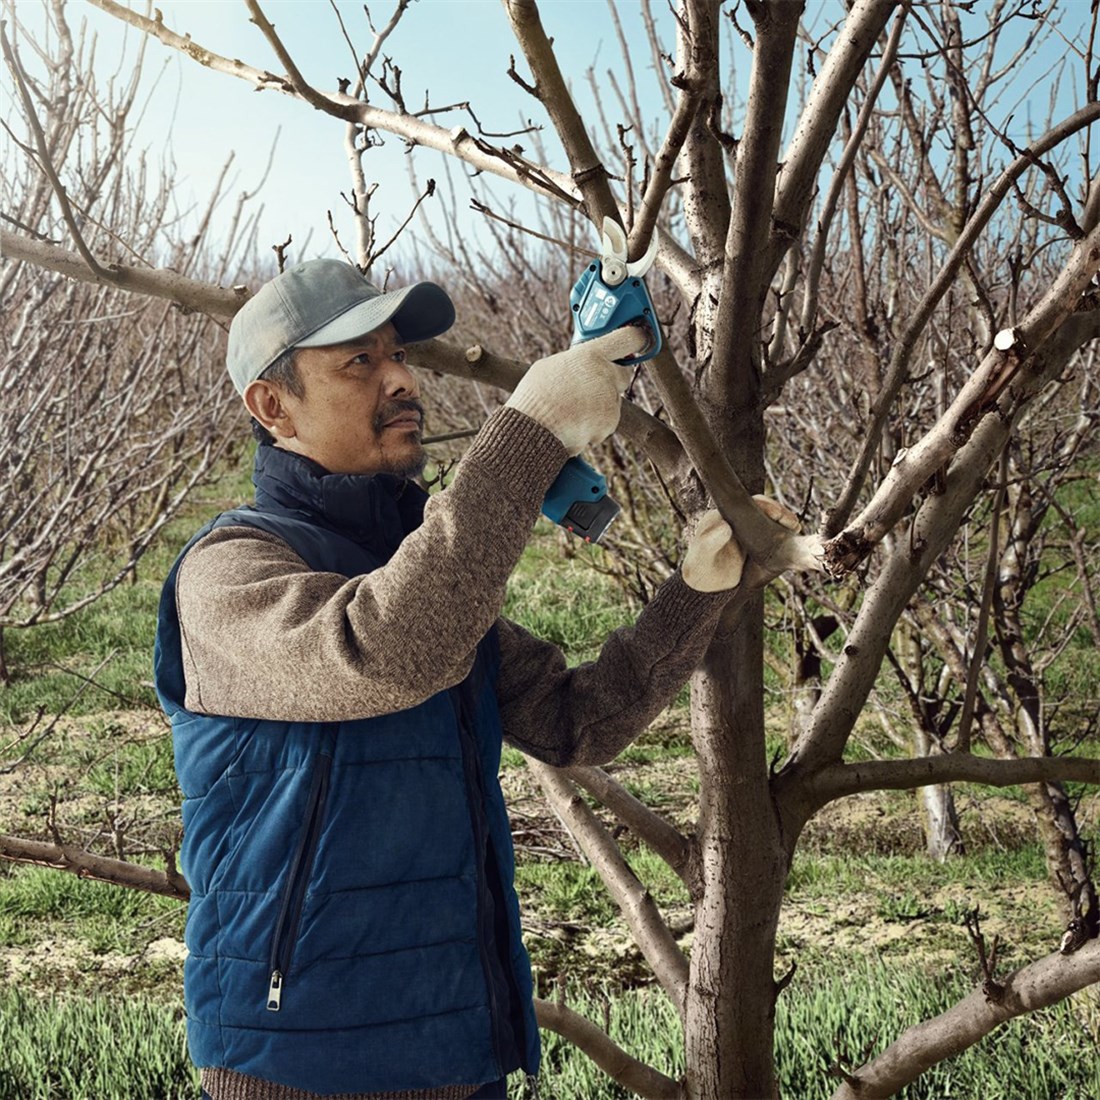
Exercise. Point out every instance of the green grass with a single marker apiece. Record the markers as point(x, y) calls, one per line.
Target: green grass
point(568, 891)
point(1050, 1055)
point(103, 1048)
point(562, 600)
point(135, 767)
point(40, 903)
point(831, 875)
point(107, 1048)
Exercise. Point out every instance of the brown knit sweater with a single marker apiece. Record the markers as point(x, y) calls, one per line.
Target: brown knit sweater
point(266, 637)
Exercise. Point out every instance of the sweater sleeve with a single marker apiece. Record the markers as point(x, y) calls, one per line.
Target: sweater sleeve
point(264, 636)
point(589, 714)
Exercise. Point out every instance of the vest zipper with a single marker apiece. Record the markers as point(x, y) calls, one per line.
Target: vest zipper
point(294, 895)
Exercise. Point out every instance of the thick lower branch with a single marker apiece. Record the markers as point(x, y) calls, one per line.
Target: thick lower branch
point(1036, 986)
point(840, 780)
point(69, 857)
point(641, 1079)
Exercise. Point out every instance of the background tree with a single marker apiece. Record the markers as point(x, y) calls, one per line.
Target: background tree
point(91, 467)
point(901, 285)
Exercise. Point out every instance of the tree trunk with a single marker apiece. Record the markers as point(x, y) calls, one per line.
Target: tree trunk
point(1065, 852)
point(942, 838)
point(728, 1038)
point(939, 818)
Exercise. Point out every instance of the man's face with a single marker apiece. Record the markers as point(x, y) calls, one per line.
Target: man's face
point(359, 412)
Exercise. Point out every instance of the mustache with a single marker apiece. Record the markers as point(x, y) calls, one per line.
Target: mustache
point(395, 408)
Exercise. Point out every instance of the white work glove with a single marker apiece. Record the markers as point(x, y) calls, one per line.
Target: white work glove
point(714, 559)
point(575, 394)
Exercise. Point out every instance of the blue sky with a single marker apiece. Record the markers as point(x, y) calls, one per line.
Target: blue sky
point(457, 48)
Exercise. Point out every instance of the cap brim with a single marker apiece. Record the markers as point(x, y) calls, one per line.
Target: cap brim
point(418, 312)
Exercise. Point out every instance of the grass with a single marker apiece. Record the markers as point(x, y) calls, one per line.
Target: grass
point(828, 875)
point(142, 766)
point(39, 903)
point(101, 1048)
point(1050, 1055)
point(559, 598)
point(106, 1048)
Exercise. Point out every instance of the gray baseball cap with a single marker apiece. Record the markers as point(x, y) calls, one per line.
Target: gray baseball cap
point(324, 302)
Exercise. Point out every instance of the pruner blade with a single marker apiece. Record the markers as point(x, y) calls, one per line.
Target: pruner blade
point(613, 262)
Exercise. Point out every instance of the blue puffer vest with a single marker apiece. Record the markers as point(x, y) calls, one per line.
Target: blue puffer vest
point(353, 925)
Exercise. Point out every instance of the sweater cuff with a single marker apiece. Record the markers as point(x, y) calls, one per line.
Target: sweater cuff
point(521, 456)
point(678, 598)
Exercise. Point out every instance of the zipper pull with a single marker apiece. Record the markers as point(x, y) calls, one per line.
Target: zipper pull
point(275, 992)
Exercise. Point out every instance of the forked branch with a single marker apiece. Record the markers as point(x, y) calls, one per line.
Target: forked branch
point(72, 858)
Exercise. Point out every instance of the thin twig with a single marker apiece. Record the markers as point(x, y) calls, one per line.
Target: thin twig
point(46, 161)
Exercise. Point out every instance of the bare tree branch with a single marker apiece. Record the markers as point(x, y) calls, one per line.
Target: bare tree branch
point(641, 1079)
point(192, 294)
point(660, 835)
point(46, 161)
point(817, 122)
point(1042, 983)
point(840, 176)
point(754, 222)
point(898, 368)
point(590, 177)
point(1015, 364)
point(841, 780)
point(639, 910)
point(71, 857)
point(645, 224)
point(298, 82)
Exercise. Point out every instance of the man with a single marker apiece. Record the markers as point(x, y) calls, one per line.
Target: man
point(340, 681)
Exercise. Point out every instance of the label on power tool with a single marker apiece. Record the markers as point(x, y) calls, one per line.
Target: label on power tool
point(599, 308)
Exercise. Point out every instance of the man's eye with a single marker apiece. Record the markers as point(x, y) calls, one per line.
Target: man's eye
point(399, 356)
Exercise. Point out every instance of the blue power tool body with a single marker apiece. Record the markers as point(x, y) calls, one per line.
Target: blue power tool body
point(609, 294)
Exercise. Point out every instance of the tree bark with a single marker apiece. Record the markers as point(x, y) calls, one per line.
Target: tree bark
point(939, 817)
point(728, 1039)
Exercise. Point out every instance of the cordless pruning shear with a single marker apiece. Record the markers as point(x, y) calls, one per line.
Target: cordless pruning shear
point(609, 294)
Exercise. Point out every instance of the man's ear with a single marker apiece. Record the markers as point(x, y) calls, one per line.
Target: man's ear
point(264, 400)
